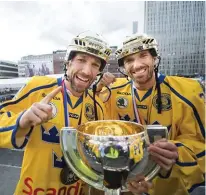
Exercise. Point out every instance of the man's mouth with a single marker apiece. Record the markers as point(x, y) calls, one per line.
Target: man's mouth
point(82, 78)
point(140, 71)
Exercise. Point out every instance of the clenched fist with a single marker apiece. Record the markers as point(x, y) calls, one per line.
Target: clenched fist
point(39, 112)
point(106, 80)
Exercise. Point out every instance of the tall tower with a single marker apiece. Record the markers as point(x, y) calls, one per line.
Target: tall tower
point(179, 27)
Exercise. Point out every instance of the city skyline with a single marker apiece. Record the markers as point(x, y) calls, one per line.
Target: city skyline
point(35, 28)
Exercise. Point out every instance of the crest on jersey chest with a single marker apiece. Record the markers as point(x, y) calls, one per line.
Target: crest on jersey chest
point(89, 112)
point(166, 102)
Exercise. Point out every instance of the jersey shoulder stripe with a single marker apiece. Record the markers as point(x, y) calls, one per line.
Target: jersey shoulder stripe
point(30, 85)
point(189, 103)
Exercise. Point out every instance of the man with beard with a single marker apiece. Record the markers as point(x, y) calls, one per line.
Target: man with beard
point(34, 118)
point(151, 98)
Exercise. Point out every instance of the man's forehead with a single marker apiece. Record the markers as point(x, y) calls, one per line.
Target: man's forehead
point(138, 53)
point(85, 55)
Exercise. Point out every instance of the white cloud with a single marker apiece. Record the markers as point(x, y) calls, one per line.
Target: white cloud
point(31, 28)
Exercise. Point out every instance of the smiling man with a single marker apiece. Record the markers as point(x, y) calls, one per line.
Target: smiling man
point(79, 79)
point(151, 98)
point(34, 118)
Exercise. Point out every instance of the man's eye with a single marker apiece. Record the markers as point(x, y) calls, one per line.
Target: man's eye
point(81, 60)
point(143, 55)
point(96, 65)
point(128, 61)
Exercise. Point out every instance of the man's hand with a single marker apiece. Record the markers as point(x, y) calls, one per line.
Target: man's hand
point(39, 112)
point(106, 80)
point(138, 185)
point(164, 153)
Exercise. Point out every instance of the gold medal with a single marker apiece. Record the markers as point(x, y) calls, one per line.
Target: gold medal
point(67, 176)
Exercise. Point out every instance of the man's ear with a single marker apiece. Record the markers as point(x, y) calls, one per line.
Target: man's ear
point(156, 61)
point(68, 64)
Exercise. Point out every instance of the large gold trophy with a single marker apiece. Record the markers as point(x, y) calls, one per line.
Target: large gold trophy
point(107, 154)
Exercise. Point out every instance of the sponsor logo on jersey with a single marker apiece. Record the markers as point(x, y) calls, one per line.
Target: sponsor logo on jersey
point(29, 189)
point(142, 106)
point(54, 98)
point(123, 93)
point(73, 115)
point(166, 102)
point(89, 112)
point(122, 102)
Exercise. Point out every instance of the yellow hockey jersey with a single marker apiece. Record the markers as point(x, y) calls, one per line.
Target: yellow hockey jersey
point(43, 159)
point(183, 113)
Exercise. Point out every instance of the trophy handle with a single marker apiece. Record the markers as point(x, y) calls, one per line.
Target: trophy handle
point(154, 133)
point(71, 155)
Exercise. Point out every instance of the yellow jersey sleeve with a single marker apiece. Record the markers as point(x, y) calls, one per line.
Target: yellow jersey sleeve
point(11, 136)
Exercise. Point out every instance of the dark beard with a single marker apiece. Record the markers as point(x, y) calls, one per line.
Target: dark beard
point(145, 81)
point(76, 89)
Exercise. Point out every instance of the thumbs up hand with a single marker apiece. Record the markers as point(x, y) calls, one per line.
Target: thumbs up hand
point(39, 112)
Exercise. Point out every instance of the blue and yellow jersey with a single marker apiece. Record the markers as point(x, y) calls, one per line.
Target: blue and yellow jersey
point(43, 158)
point(183, 113)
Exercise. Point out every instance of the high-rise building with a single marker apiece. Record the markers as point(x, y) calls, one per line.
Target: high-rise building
point(179, 27)
point(135, 27)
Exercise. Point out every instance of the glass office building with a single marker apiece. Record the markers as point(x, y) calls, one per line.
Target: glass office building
point(179, 27)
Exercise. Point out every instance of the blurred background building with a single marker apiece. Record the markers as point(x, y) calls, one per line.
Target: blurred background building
point(8, 69)
point(32, 65)
point(179, 27)
point(112, 65)
point(58, 61)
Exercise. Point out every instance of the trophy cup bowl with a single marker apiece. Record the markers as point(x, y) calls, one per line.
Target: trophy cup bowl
point(106, 154)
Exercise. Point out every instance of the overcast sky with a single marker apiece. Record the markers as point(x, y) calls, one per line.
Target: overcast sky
point(32, 28)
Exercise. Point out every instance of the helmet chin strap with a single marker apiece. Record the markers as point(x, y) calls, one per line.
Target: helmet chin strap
point(125, 75)
point(101, 75)
point(159, 100)
point(65, 71)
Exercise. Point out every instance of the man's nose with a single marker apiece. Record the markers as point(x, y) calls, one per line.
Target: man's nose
point(137, 63)
point(87, 69)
